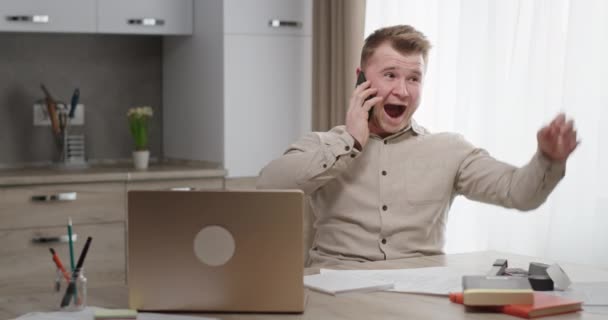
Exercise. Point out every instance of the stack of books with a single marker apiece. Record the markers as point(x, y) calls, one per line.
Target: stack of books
point(511, 295)
point(496, 290)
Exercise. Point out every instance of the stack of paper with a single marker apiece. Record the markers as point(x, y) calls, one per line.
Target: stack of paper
point(592, 293)
point(432, 281)
point(337, 282)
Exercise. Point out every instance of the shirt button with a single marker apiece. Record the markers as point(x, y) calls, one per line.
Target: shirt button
point(352, 155)
point(347, 148)
point(324, 166)
point(384, 207)
point(383, 172)
point(385, 141)
point(383, 241)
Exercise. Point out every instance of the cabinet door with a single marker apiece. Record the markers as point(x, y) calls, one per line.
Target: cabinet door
point(267, 98)
point(47, 16)
point(52, 205)
point(27, 265)
point(162, 17)
point(271, 17)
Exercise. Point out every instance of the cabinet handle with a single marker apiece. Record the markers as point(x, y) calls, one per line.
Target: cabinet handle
point(36, 18)
point(277, 23)
point(57, 239)
point(182, 189)
point(64, 196)
point(146, 22)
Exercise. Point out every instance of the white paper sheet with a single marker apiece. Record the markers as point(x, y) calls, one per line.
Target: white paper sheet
point(337, 282)
point(432, 280)
point(591, 293)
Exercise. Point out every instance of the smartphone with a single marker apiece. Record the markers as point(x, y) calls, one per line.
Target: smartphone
point(360, 79)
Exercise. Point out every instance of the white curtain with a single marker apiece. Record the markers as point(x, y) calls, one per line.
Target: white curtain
point(498, 71)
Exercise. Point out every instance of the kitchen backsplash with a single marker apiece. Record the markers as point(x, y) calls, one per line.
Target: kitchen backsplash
point(113, 73)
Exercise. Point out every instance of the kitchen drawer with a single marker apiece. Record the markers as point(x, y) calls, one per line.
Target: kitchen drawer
point(163, 17)
point(48, 16)
point(181, 184)
point(94, 203)
point(26, 265)
point(254, 17)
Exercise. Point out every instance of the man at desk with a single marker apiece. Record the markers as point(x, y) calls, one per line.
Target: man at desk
point(381, 185)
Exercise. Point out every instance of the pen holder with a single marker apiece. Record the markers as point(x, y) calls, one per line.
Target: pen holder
point(71, 297)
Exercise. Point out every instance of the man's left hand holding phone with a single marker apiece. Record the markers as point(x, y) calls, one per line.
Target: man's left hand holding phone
point(360, 111)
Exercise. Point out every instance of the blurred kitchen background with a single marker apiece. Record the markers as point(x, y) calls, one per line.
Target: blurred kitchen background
point(113, 73)
point(234, 82)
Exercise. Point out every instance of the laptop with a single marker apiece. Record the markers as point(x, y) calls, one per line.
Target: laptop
point(232, 251)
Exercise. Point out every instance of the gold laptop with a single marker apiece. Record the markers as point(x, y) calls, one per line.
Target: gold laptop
point(238, 251)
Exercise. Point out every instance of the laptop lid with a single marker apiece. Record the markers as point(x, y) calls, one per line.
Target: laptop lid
point(216, 250)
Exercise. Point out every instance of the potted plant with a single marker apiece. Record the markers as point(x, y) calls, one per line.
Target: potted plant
point(138, 124)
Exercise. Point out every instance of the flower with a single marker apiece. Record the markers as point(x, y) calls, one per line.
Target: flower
point(138, 124)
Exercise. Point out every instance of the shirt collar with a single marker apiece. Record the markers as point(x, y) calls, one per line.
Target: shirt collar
point(413, 126)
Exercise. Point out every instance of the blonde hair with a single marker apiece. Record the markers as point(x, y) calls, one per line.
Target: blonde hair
point(403, 38)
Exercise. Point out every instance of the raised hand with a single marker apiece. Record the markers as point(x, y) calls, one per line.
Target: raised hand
point(558, 139)
point(358, 112)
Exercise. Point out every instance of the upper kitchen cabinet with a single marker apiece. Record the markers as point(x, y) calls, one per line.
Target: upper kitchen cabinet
point(157, 17)
point(270, 17)
point(239, 90)
point(47, 16)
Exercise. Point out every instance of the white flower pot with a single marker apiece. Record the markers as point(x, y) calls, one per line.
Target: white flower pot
point(140, 159)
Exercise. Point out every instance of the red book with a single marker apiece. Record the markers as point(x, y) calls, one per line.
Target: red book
point(544, 305)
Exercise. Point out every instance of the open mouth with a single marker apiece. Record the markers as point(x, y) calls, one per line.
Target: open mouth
point(394, 110)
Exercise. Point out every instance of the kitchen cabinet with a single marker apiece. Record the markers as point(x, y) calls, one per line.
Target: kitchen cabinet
point(48, 16)
point(154, 17)
point(268, 17)
point(35, 205)
point(239, 90)
point(85, 203)
point(27, 264)
point(33, 219)
point(160, 17)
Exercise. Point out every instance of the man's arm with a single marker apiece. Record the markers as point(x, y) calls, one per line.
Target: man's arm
point(321, 156)
point(311, 162)
point(482, 178)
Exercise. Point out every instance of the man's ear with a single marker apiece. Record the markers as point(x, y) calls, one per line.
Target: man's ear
point(357, 71)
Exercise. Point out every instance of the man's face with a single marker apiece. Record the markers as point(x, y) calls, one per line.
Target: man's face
point(398, 79)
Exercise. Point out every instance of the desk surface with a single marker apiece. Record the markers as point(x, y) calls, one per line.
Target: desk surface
point(375, 305)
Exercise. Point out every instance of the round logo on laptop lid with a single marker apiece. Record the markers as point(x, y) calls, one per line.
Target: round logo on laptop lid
point(214, 245)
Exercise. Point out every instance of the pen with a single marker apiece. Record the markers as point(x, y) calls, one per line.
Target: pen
point(59, 265)
point(74, 102)
point(51, 105)
point(71, 290)
point(71, 244)
point(83, 254)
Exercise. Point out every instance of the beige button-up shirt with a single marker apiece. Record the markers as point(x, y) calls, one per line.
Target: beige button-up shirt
point(390, 200)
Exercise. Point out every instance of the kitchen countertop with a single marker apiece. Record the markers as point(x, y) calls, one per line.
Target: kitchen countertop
point(106, 172)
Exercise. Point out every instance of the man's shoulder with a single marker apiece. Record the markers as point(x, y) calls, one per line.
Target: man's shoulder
point(326, 136)
point(444, 137)
point(337, 130)
point(334, 132)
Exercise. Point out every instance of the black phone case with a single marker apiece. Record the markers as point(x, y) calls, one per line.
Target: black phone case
point(360, 79)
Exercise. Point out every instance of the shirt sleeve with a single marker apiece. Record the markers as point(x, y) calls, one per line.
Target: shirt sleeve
point(311, 162)
point(482, 178)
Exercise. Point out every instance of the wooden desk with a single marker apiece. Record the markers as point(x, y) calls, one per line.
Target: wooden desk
point(375, 305)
